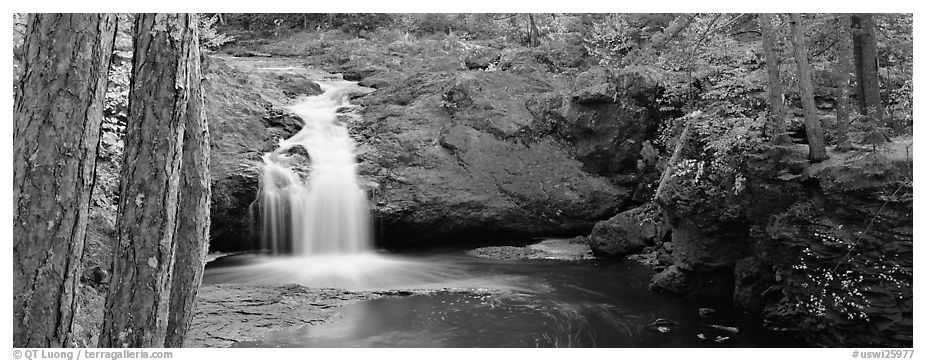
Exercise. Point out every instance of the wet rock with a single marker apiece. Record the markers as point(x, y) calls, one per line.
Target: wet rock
point(558, 249)
point(383, 80)
point(661, 325)
point(226, 314)
point(579, 240)
point(701, 245)
point(357, 74)
point(671, 281)
point(505, 252)
point(563, 249)
point(728, 329)
point(627, 232)
point(663, 257)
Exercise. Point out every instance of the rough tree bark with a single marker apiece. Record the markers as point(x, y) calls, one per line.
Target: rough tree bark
point(192, 236)
point(57, 115)
point(775, 125)
point(136, 313)
point(843, 70)
point(805, 78)
point(533, 34)
point(866, 66)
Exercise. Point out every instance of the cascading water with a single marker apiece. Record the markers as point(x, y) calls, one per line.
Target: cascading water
point(320, 217)
point(324, 212)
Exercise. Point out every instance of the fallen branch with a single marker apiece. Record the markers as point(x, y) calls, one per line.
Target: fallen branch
point(677, 153)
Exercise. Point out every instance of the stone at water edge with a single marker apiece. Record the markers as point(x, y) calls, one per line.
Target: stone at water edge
point(672, 281)
point(626, 233)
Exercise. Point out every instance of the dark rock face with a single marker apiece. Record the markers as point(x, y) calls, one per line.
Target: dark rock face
point(462, 155)
point(826, 255)
point(627, 232)
point(848, 237)
point(714, 285)
point(671, 281)
point(358, 74)
point(701, 245)
point(606, 118)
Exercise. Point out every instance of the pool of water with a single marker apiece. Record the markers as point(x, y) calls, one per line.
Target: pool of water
point(494, 303)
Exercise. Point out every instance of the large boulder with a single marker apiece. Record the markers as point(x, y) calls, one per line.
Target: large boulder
point(606, 118)
point(461, 156)
point(627, 232)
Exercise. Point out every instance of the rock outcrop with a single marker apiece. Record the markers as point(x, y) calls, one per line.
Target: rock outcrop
point(467, 155)
point(823, 250)
point(628, 232)
point(448, 156)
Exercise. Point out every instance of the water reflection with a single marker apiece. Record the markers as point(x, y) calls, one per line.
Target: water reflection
point(486, 303)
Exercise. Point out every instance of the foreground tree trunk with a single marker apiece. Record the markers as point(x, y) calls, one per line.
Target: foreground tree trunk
point(193, 224)
point(533, 34)
point(843, 70)
point(805, 77)
point(136, 313)
point(57, 116)
point(866, 66)
point(776, 124)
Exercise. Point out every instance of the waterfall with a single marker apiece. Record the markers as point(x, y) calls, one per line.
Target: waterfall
point(323, 212)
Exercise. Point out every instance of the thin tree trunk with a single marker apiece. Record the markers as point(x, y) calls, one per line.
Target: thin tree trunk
point(776, 124)
point(533, 34)
point(193, 224)
point(136, 313)
point(676, 154)
point(805, 77)
point(843, 68)
point(57, 115)
point(866, 66)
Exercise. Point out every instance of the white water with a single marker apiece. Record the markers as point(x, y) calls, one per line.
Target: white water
point(326, 213)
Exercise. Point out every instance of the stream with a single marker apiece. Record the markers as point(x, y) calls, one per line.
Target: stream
point(478, 302)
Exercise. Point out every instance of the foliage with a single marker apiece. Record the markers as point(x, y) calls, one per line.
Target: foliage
point(209, 37)
point(710, 175)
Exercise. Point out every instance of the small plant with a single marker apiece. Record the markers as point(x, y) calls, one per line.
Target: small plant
point(209, 37)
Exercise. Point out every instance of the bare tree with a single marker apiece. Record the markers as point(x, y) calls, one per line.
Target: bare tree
point(533, 34)
point(843, 70)
point(192, 236)
point(164, 69)
point(776, 125)
point(57, 115)
point(866, 66)
point(805, 77)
